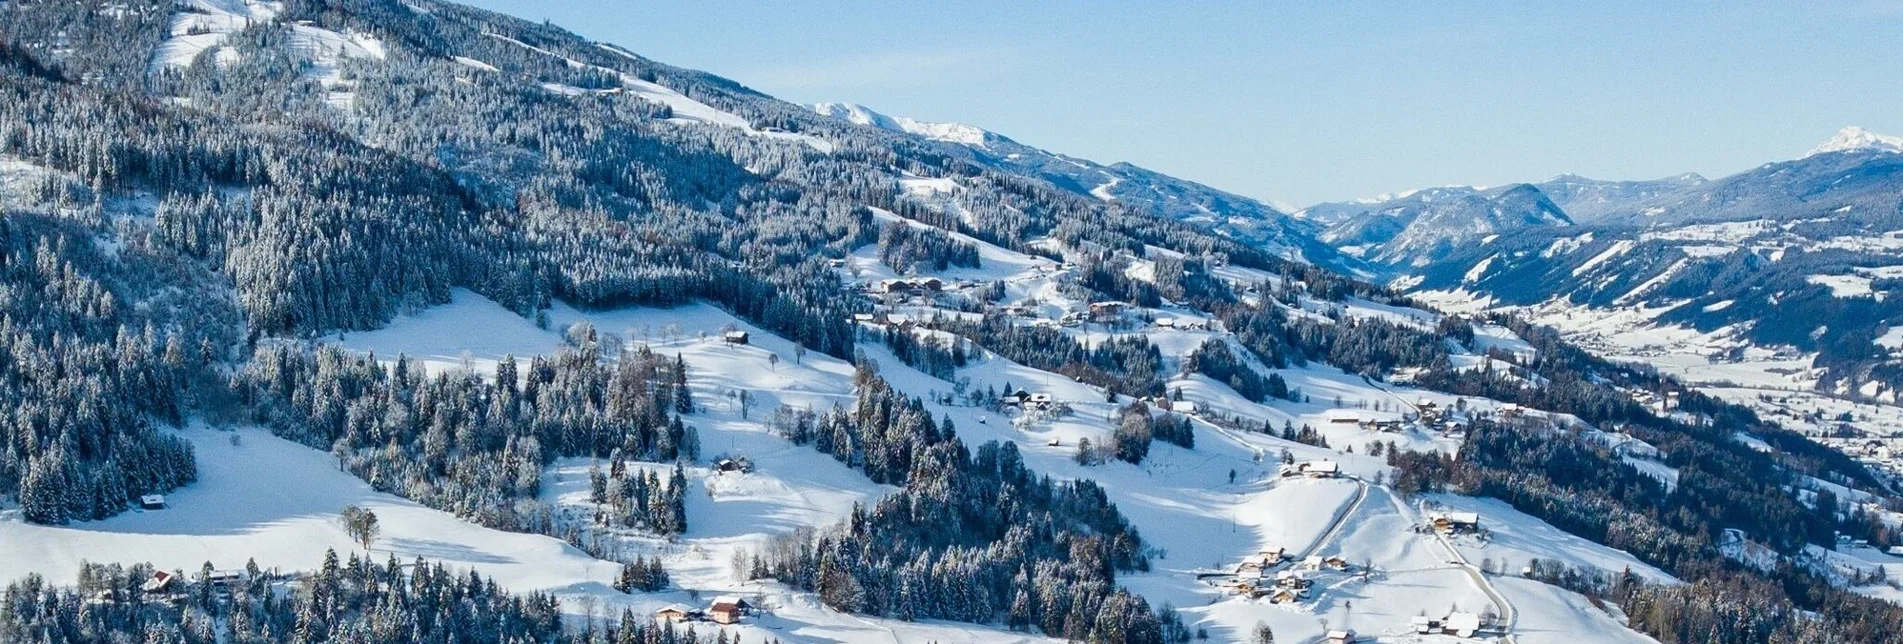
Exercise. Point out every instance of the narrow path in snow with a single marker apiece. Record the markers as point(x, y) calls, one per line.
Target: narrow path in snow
point(1341, 519)
point(1507, 613)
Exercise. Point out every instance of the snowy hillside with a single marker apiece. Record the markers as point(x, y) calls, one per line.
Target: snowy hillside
point(1121, 184)
point(463, 327)
point(948, 132)
point(1586, 200)
point(1183, 500)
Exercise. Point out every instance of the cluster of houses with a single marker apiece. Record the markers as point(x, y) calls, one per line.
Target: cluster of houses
point(1879, 453)
point(1509, 412)
point(737, 465)
point(1313, 469)
point(1257, 577)
point(883, 319)
point(906, 286)
point(1456, 624)
point(1355, 418)
point(1454, 522)
point(1108, 311)
point(725, 609)
point(1182, 324)
point(164, 583)
point(1435, 417)
point(1661, 404)
point(1026, 400)
point(1177, 406)
point(1432, 417)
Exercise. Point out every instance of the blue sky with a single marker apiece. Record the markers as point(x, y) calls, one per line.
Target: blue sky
point(1307, 102)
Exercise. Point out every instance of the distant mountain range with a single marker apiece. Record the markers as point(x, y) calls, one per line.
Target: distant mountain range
point(1770, 251)
point(1241, 218)
point(1587, 200)
point(1802, 253)
point(1412, 229)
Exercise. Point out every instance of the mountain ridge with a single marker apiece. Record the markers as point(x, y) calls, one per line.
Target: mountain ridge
point(1245, 219)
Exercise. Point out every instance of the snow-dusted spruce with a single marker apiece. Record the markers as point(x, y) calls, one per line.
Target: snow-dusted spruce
point(905, 248)
point(354, 600)
point(969, 536)
point(86, 374)
point(476, 447)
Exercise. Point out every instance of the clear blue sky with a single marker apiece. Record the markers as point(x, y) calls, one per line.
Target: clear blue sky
point(1306, 102)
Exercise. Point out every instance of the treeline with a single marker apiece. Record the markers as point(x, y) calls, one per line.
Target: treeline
point(1137, 427)
point(907, 248)
point(349, 601)
point(475, 446)
point(1215, 360)
point(1124, 364)
point(639, 499)
point(939, 355)
point(87, 373)
point(971, 537)
point(1367, 346)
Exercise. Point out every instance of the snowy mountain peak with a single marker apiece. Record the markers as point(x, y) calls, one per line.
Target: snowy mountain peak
point(1856, 139)
point(948, 132)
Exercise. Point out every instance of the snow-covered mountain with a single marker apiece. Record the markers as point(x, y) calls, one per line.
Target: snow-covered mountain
point(1856, 139)
point(948, 132)
point(1121, 184)
point(1413, 229)
point(1855, 170)
point(1797, 259)
point(1587, 200)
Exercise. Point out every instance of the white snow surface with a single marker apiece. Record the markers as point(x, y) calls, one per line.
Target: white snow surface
point(202, 25)
point(278, 502)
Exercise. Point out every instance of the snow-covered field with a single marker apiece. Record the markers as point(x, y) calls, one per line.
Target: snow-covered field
point(204, 25)
point(268, 499)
